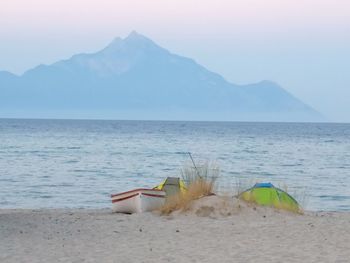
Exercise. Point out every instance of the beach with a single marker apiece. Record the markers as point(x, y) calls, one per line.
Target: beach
point(213, 230)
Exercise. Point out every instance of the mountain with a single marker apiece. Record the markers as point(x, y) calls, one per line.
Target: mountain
point(134, 78)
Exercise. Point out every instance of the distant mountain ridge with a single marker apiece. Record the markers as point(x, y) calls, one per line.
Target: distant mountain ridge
point(134, 78)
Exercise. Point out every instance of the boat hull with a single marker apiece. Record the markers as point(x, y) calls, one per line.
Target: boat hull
point(138, 201)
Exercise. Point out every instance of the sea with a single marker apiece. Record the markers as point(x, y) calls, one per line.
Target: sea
point(79, 163)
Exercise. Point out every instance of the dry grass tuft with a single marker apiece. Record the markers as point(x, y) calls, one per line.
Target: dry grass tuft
point(300, 195)
point(200, 182)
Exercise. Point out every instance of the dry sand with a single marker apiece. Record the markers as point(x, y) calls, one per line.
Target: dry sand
point(214, 230)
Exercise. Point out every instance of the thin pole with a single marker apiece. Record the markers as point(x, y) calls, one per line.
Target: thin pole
point(195, 167)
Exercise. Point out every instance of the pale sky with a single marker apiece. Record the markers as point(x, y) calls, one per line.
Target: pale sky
point(304, 45)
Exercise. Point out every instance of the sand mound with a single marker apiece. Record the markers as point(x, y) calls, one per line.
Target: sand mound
point(223, 206)
point(213, 206)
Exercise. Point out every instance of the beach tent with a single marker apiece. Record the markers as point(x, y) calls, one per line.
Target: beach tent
point(171, 186)
point(267, 194)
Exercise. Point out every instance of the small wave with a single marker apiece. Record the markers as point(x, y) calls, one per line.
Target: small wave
point(46, 196)
point(116, 153)
point(71, 161)
point(291, 165)
point(329, 141)
point(335, 197)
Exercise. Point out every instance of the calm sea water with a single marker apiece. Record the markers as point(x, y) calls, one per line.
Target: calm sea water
point(77, 163)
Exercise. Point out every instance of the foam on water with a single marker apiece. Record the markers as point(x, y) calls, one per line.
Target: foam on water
point(66, 163)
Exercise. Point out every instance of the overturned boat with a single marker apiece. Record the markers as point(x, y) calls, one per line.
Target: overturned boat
point(138, 200)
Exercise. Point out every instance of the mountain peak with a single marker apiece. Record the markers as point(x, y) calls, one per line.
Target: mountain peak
point(134, 35)
point(116, 41)
point(135, 38)
point(134, 41)
point(118, 57)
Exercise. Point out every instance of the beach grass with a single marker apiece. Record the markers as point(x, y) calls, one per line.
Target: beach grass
point(200, 182)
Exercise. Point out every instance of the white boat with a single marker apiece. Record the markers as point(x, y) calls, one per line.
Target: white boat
point(138, 200)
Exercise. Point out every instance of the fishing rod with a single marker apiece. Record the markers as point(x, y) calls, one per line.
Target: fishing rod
point(195, 167)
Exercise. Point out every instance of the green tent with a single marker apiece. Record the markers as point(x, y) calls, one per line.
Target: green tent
point(268, 195)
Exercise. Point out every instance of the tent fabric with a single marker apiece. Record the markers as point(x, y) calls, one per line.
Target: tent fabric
point(268, 185)
point(268, 195)
point(172, 185)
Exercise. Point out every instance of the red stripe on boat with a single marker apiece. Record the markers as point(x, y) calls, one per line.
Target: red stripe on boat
point(136, 190)
point(124, 198)
point(153, 195)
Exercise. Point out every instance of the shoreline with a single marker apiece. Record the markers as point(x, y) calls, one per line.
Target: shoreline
point(210, 232)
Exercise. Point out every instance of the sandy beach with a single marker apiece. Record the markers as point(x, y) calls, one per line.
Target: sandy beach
point(213, 230)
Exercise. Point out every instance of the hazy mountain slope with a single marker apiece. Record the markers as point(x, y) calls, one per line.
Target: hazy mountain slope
point(135, 78)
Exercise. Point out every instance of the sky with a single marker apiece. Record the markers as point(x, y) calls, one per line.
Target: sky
point(304, 45)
